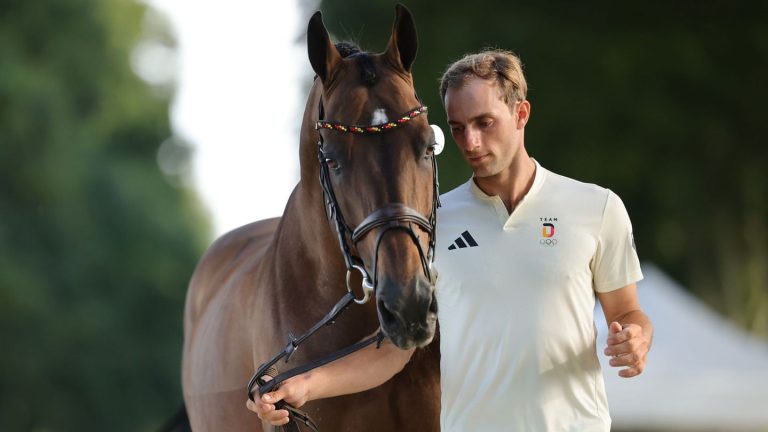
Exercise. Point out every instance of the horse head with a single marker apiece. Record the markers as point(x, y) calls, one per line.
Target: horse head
point(376, 155)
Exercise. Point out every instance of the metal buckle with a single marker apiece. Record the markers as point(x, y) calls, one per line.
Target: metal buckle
point(366, 285)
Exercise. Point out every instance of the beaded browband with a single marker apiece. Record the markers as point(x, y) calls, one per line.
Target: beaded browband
point(372, 129)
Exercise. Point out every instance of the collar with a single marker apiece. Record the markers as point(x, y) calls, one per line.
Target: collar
point(538, 181)
point(506, 218)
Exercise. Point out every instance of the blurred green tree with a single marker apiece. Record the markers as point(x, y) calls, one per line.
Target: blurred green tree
point(96, 244)
point(662, 102)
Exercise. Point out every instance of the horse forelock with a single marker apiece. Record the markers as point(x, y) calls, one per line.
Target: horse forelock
point(365, 65)
point(347, 48)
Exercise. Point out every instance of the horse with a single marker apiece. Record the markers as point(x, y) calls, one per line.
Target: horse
point(258, 284)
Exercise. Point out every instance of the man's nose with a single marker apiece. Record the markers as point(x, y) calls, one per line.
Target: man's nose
point(471, 139)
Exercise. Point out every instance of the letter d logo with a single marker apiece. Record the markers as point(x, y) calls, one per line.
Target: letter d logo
point(548, 230)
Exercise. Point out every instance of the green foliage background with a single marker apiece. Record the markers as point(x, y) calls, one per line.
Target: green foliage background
point(663, 102)
point(96, 244)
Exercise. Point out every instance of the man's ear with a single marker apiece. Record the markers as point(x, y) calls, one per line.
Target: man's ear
point(523, 112)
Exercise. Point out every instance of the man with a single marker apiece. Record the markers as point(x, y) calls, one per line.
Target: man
point(522, 254)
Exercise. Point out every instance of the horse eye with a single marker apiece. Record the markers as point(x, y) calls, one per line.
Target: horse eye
point(430, 151)
point(332, 164)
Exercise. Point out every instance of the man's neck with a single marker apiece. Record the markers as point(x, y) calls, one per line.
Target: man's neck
point(512, 184)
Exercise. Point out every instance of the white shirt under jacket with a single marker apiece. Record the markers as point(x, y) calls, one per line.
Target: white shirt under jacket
point(516, 300)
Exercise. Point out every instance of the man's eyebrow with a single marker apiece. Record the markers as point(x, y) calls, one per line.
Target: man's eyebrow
point(475, 118)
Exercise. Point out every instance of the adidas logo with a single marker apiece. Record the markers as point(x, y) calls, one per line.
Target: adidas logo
point(465, 240)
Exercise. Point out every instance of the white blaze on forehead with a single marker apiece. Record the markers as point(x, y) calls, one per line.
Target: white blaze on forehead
point(379, 116)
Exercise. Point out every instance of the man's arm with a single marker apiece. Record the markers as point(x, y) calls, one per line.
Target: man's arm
point(630, 332)
point(359, 371)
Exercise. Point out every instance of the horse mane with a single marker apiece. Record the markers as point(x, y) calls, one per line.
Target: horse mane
point(363, 59)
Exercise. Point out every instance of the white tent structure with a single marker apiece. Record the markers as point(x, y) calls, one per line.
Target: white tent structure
point(703, 373)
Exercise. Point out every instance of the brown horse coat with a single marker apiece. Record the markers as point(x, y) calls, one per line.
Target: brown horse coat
point(266, 279)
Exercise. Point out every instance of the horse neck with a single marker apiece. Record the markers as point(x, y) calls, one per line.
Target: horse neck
point(305, 238)
point(310, 169)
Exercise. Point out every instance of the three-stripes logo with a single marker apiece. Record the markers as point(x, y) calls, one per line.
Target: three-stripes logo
point(465, 240)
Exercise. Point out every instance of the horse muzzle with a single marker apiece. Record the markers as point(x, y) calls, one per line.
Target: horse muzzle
point(407, 312)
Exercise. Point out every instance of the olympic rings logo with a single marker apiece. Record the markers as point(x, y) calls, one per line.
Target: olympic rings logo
point(548, 242)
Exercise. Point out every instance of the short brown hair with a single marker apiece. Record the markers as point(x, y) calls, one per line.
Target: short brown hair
point(493, 64)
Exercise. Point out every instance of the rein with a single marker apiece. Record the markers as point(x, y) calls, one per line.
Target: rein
point(269, 369)
point(391, 216)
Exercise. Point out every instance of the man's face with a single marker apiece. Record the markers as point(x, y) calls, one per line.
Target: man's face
point(488, 132)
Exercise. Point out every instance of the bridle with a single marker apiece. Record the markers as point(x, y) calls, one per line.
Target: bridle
point(389, 217)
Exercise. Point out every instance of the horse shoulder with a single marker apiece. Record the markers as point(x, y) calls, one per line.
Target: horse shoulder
point(223, 258)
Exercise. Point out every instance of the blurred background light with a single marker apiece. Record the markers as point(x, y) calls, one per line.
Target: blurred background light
point(240, 85)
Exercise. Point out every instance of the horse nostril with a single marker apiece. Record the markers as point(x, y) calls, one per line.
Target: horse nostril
point(433, 304)
point(387, 317)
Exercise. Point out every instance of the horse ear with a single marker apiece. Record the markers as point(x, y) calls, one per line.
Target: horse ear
point(404, 43)
point(322, 53)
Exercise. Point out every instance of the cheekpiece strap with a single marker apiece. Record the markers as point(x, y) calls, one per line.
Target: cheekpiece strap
point(372, 129)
